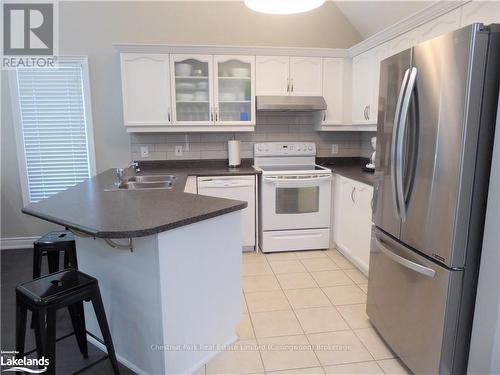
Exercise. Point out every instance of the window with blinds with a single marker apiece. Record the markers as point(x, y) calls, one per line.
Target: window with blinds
point(55, 132)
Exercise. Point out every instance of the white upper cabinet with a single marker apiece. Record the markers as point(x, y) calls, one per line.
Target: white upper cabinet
point(145, 89)
point(378, 55)
point(362, 87)
point(234, 90)
point(272, 75)
point(192, 89)
point(306, 76)
point(283, 75)
point(365, 68)
point(399, 44)
point(447, 22)
point(480, 11)
point(333, 91)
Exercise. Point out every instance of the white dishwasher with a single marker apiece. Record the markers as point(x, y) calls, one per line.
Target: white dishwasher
point(241, 188)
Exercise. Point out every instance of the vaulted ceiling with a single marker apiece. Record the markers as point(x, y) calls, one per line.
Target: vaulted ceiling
point(370, 17)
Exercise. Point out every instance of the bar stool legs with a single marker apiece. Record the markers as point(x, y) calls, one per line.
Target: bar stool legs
point(78, 321)
point(21, 317)
point(103, 325)
point(44, 297)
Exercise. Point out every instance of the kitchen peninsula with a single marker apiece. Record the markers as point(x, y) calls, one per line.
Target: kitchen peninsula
point(168, 264)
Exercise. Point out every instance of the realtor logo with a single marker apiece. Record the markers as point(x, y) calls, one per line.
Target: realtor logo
point(28, 29)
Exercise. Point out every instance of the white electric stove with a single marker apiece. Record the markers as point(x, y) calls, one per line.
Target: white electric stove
point(295, 194)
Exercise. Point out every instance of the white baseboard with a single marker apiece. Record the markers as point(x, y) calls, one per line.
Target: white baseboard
point(120, 359)
point(139, 371)
point(17, 242)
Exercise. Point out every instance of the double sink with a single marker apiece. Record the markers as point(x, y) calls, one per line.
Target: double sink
point(145, 182)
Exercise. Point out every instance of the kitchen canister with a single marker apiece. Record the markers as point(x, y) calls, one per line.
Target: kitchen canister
point(233, 150)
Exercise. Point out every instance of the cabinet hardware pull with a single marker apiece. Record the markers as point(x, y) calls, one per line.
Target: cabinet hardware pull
point(216, 114)
point(288, 85)
point(292, 84)
point(168, 115)
point(352, 195)
point(366, 118)
point(211, 114)
point(367, 112)
point(324, 115)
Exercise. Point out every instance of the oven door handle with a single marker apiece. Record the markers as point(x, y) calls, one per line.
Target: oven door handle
point(297, 182)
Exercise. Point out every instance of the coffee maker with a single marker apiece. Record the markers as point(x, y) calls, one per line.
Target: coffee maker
point(370, 167)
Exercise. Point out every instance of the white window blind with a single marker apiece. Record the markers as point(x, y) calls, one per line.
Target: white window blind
point(54, 128)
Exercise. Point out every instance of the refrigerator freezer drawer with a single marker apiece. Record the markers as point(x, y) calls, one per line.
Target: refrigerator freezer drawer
point(289, 240)
point(413, 303)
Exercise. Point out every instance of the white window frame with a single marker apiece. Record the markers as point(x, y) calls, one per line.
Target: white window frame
point(18, 126)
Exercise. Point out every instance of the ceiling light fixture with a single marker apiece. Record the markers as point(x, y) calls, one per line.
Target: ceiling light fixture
point(283, 6)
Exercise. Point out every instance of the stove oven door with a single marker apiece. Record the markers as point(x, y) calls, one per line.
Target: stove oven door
point(296, 201)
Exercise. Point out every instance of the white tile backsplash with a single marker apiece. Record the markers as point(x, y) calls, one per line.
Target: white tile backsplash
point(269, 128)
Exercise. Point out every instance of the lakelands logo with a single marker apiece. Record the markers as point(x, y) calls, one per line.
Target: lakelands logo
point(28, 34)
point(21, 364)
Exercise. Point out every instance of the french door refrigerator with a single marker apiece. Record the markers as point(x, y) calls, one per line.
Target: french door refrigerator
point(436, 121)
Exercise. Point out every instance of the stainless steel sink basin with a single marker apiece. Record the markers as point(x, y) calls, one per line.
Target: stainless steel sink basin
point(154, 178)
point(130, 185)
point(145, 183)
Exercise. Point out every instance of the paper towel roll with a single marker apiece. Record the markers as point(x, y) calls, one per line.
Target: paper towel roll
point(233, 148)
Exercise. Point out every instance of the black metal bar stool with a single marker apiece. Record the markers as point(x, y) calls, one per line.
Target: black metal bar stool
point(51, 245)
point(44, 296)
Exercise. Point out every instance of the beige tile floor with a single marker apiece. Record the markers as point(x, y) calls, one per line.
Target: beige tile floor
point(304, 313)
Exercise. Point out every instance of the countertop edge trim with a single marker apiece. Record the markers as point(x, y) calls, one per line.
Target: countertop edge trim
point(139, 232)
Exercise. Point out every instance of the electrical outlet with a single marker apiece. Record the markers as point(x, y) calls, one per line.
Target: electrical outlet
point(335, 148)
point(178, 151)
point(144, 151)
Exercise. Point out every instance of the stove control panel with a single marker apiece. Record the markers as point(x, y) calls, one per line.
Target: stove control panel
point(285, 149)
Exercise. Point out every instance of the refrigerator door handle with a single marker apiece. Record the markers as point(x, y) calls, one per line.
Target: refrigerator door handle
point(400, 142)
point(395, 132)
point(426, 271)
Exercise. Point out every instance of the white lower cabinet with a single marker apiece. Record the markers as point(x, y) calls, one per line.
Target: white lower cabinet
point(352, 220)
point(242, 188)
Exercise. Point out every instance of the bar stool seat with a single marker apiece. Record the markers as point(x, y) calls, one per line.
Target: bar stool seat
point(51, 245)
point(44, 296)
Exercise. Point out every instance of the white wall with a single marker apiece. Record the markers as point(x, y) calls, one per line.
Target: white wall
point(484, 355)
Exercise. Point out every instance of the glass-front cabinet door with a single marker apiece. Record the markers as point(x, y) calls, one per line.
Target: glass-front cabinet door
point(234, 90)
point(192, 89)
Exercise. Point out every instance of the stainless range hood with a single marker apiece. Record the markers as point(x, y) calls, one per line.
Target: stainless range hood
point(290, 103)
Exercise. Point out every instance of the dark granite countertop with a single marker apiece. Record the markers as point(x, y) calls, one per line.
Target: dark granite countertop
point(198, 167)
point(89, 208)
point(349, 167)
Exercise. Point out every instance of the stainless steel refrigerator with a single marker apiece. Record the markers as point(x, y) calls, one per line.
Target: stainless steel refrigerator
point(436, 121)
